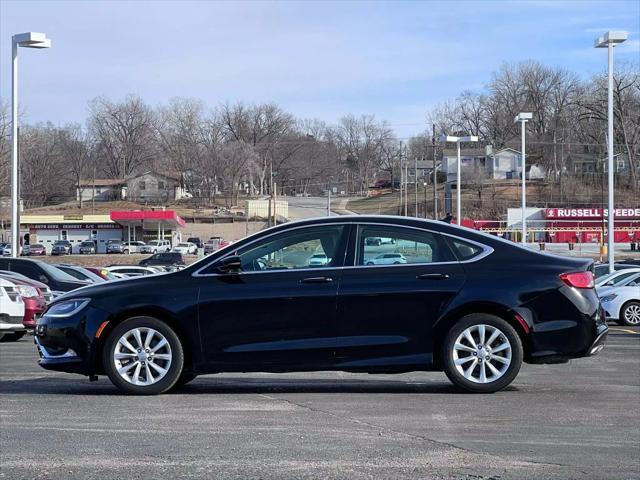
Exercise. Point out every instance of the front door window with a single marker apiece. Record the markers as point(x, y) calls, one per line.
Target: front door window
point(297, 249)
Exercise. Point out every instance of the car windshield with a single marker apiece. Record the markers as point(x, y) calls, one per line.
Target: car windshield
point(183, 244)
point(61, 242)
point(87, 244)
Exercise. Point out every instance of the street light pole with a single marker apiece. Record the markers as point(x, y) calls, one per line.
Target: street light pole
point(608, 41)
point(523, 118)
point(27, 40)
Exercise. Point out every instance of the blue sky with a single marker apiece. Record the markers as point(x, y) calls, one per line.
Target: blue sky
point(316, 59)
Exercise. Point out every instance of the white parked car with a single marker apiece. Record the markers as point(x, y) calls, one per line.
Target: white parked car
point(6, 250)
point(132, 270)
point(379, 240)
point(318, 260)
point(186, 248)
point(156, 246)
point(387, 259)
point(622, 302)
point(133, 246)
point(11, 309)
point(616, 278)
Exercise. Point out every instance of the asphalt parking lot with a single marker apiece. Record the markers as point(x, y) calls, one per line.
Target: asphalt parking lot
point(563, 421)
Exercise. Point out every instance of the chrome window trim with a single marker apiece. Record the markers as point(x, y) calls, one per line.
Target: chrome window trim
point(487, 250)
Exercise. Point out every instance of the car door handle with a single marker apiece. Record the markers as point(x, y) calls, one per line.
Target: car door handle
point(317, 280)
point(433, 276)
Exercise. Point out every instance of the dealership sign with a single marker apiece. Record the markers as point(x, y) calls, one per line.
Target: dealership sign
point(573, 213)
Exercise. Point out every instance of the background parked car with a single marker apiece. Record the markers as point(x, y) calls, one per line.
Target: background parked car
point(214, 244)
point(132, 270)
point(7, 249)
point(36, 250)
point(615, 278)
point(622, 302)
point(103, 273)
point(167, 259)
point(53, 277)
point(318, 259)
point(601, 269)
point(186, 248)
point(62, 247)
point(386, 259)
point(116, 246)
point(11, 311)
point(196, 241)
point(33, 299)
point(155, 246)
point(80, 273)
point(88, 247)
point(133, 246)
point(44, 290)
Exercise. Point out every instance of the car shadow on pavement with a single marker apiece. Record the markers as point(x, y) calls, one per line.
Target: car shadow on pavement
point(210, 385)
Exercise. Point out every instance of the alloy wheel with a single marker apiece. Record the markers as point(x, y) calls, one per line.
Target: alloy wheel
point(142, 356)
point(632, 314)
point(482, 353)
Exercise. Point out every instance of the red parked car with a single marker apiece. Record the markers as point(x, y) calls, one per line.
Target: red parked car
point(35, 296)
point(36, 249)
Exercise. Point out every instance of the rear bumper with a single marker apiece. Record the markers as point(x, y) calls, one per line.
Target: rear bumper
point(11, 324)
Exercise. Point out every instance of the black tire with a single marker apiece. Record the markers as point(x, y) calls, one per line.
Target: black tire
point(174, 370)
point(625, 311)
point(11, 337)
point(447, 351)
point(370, 263)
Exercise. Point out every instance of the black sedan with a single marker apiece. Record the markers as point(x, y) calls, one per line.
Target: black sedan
point(57, 280)
point(468, 303)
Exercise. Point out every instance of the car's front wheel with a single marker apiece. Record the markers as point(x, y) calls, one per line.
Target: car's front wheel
point(482, 353)
point(630, 314)
point(143, 356)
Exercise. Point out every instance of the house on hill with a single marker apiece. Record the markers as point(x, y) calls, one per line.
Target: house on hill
point(503, 164)
point(145, 187)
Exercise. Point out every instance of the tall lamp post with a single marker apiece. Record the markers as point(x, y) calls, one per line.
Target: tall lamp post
point(458, 141)
point(26, 40)
point(608, 41)
point(523, 118)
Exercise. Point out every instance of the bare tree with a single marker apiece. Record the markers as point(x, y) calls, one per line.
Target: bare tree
point(124, 134)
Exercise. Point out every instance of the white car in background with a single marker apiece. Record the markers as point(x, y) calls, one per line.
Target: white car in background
point(186, 248)
point(318, 260)
point(616, 278)
point(132, 270)
point(622, 302)
point(133, 246)
point(11, 309)
point(387, 259)
point(156, 246)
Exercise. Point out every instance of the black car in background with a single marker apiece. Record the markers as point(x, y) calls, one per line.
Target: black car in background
point(163, 259)
point(62, 247)
point(53, 277)
point(197, 241)
point(88, 247)
point(465, 302)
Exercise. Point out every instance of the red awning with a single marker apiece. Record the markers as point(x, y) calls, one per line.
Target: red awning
point(148, 219)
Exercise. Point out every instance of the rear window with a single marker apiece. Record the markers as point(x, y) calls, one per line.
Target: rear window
point(465, 250)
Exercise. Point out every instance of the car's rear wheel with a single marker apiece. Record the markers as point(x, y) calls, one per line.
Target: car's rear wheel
point(482, 353)
point(630, 314)
point(12, 337)
point(143, 356)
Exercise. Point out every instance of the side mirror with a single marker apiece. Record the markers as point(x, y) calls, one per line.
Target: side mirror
point(610, 283)
point(230, 264)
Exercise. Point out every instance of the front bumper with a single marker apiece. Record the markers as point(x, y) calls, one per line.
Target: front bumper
point(11, 324)
point(69, 344)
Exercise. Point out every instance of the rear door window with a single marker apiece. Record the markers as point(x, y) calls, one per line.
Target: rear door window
point(390, 245)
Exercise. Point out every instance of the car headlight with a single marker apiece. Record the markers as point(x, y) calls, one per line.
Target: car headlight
point(609, 298)
point(27, 291)
point(66, 308)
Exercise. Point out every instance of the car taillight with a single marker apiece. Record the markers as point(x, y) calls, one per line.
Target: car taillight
point(578, 279)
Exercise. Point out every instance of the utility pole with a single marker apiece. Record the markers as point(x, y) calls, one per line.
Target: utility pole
point(328, 200)
point(435, 174)
point(406, 184)
point(401, 179)
point(415, 179)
